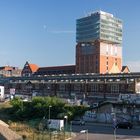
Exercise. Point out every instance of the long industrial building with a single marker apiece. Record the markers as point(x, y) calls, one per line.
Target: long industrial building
point(91, 87)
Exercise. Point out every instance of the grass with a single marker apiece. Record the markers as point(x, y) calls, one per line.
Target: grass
point(33, 134)
point(29, 130)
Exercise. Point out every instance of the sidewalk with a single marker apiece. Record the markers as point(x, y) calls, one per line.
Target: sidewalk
point(126, 138)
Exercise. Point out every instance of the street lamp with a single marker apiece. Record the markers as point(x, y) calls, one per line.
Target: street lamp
point(49, 111)
point(85, 131)
point(49, 120)
point(65, 128)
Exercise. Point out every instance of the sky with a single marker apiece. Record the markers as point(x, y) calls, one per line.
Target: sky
point(43, 32)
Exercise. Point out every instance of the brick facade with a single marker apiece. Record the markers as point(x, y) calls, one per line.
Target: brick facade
point(102, 58)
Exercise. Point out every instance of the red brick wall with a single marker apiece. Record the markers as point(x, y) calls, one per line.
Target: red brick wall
point(97, 61)
point(111, 60)
point(87, 63)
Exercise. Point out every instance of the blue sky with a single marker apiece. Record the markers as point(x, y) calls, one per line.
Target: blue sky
point(43, 31)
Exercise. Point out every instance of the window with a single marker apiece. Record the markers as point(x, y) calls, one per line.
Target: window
point(94, 88)
point(107, 63)
point(87, 49)
point(115, 88)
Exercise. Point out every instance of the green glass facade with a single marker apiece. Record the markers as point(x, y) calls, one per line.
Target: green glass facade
point(99, 26)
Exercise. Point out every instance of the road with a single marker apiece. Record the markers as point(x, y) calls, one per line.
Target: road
point(102, 132)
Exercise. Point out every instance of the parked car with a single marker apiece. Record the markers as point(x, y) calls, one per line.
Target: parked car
point(127, 125)
point(78, 122)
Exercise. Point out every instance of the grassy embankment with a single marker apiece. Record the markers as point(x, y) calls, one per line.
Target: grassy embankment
point(26, 129)
point(29, 129)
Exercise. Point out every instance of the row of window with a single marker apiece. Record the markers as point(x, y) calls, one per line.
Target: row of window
point(91, 21)
point(112, 19)
point(113, 88)
point(87, 27)
point(89, 18)
point(111, 38)
point(87, 30)
point(111, 33)
point(89, 36)
point(111, 28)
point(111, 23)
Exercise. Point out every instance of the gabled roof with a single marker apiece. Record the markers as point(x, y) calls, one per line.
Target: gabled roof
point(125, 69)
point(33, 67)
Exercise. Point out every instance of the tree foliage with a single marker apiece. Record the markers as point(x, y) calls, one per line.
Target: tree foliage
point(39, 107)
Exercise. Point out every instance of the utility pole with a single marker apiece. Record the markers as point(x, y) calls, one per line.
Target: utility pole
point(49, 120)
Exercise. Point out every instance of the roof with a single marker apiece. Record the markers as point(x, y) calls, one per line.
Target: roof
point(67, 67)
point(6, 68)
point(125, 67)
point(33, 67)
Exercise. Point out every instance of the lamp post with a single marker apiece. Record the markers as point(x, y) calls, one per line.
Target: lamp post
point(49, 120)
point(65, 128)
point(49, 111)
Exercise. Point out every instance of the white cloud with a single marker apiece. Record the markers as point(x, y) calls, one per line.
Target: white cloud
point(134, 66)
point(62, 32)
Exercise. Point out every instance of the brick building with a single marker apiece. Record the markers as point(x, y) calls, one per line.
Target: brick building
point(99, 40)
point(9, 71)
point(55, 70)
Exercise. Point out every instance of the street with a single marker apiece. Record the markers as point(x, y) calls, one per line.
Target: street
point(99, 132)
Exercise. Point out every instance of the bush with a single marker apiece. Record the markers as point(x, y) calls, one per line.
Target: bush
point(39, 108)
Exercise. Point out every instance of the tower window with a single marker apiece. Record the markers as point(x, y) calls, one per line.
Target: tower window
point(107, 63)
point(107, 68)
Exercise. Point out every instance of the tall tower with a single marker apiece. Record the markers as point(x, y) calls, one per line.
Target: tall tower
point(99, 43)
